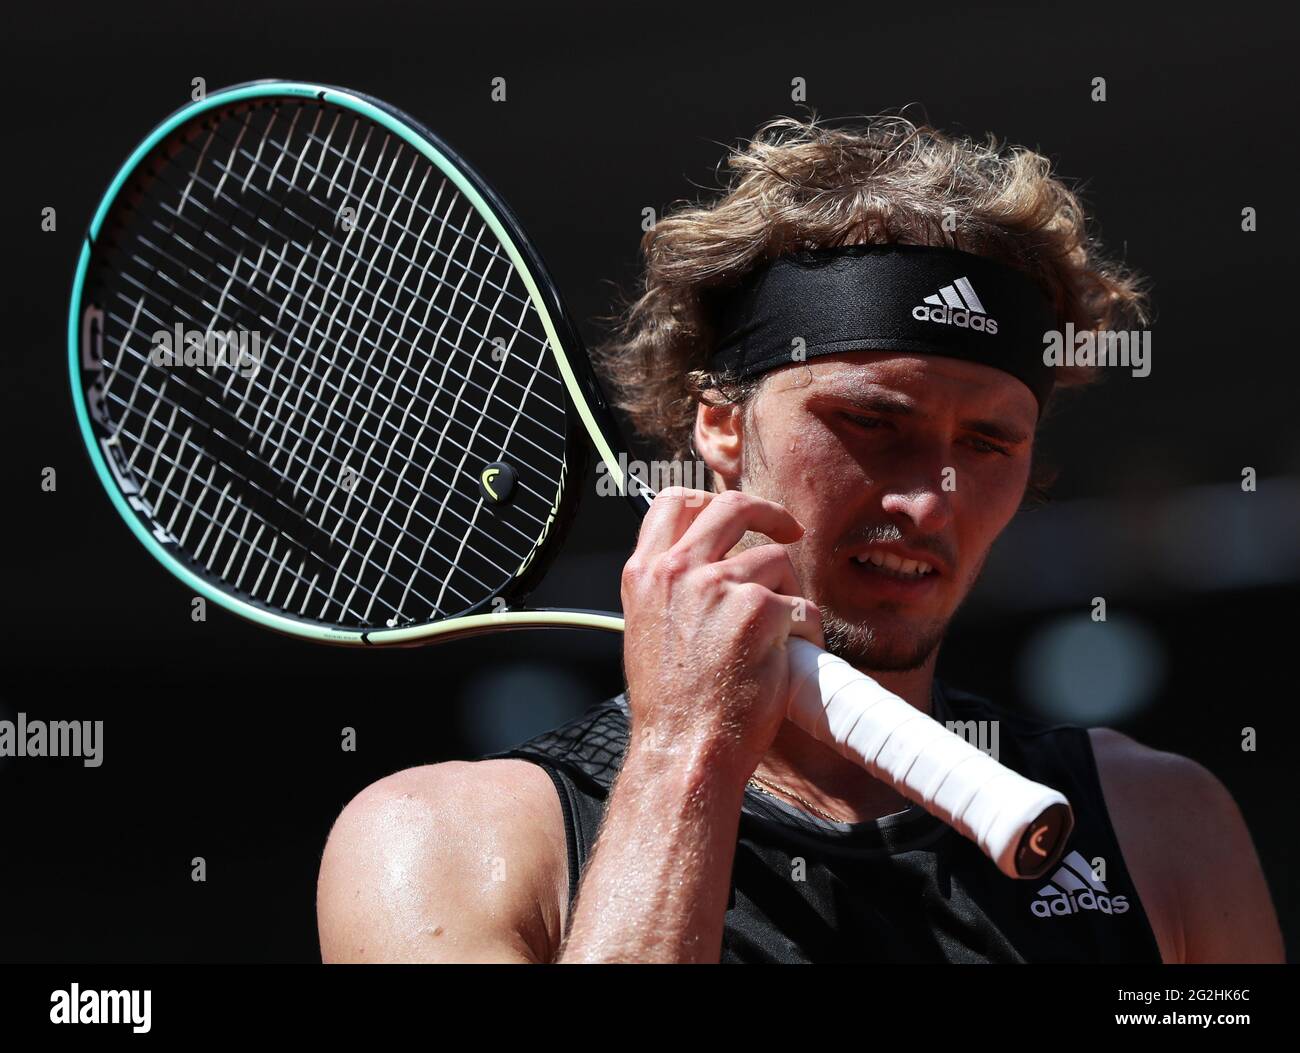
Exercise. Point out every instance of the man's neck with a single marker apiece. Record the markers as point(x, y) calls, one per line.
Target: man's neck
point(796, 761)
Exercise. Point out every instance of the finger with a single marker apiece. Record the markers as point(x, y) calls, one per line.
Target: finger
point(784, 615)
point(806, 620)
point(728, 518)
point(768, 565)
point(673, 510)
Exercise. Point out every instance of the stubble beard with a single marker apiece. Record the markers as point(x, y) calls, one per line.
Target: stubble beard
point(857, 642)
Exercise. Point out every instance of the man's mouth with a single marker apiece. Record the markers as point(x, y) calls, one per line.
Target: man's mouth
point(895, 566)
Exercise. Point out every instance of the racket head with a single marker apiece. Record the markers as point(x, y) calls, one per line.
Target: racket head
point(330, 479)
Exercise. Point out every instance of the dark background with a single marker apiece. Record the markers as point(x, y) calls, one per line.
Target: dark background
point(222, 741)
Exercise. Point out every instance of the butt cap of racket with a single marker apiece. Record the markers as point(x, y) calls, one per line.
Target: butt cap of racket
point(1021, 825)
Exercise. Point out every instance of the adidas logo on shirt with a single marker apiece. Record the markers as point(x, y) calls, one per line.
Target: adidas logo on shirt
point(956, 304)
point(1074, 888)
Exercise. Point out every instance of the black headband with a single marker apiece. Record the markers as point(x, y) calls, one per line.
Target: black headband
point(917, 298)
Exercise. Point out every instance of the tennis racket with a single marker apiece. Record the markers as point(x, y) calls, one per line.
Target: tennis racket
point(328, 383)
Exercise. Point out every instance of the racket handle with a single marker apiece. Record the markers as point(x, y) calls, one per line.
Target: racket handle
point(1019, 824)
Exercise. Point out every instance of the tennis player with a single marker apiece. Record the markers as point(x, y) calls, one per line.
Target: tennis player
point(851, 338)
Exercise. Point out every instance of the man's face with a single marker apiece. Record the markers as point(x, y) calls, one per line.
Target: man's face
point(891, 462)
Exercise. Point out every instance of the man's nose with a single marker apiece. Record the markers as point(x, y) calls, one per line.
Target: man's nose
point(925, 504)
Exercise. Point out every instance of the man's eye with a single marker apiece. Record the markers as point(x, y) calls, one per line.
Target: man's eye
point(864, 422)
point(984, 446)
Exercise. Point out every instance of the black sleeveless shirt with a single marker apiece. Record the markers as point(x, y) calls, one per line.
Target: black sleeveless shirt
point(902, 888)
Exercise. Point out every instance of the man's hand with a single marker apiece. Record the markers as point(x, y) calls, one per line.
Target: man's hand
point(704, 645)
point(707, 674)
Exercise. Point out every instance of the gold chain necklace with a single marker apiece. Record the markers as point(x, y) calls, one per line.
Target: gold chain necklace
point(762, 785)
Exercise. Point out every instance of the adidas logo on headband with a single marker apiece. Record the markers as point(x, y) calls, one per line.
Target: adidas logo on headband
point(956, 304)
point(868, 298)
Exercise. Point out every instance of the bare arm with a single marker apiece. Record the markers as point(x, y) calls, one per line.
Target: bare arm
point(459, 862)
point(707, 673)
point(466, 862)
point(1190, 854)
point(657, 885)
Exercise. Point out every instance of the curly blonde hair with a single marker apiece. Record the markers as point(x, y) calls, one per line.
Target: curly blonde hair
point(800, 184)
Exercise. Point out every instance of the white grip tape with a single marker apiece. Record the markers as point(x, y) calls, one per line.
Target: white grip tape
point(915, 754)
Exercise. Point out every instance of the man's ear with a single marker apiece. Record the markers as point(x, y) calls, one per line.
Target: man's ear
point(719, 437)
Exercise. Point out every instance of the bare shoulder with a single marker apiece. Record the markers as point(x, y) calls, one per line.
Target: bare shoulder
point(462, 861)
point(1190, 853)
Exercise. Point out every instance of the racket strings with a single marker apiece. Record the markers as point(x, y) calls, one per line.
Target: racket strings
point(224, 492)
point(147, 474)
point(340, 463)
point(544, 451)
point(162, 399)
point(536, 446)
point(522, 300)
point(211, 519)
point(537, 521)
point(479, 506)
point(414, 399)
point(318, 412)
